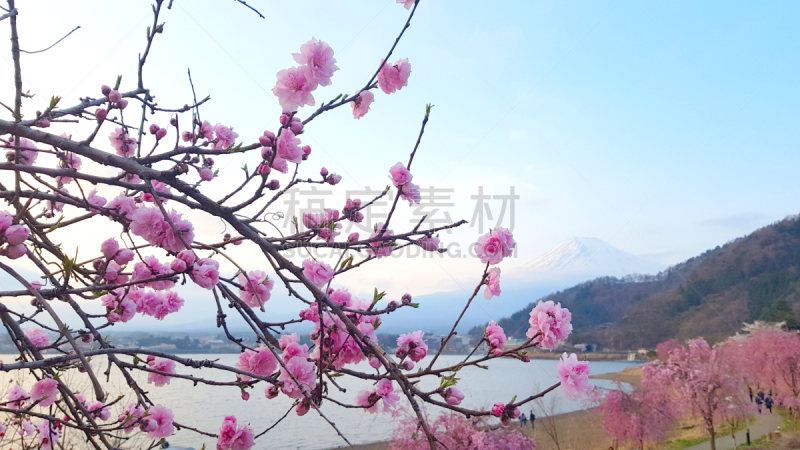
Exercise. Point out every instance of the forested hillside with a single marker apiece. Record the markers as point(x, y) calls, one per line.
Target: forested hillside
point(756, 277)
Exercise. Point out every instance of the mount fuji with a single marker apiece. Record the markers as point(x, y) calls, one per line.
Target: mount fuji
point(589, 257)
point(573, 262)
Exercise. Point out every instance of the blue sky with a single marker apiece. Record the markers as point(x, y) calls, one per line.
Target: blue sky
point(664, 128)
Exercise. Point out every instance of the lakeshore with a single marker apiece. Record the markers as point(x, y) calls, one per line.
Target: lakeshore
point(577, 429)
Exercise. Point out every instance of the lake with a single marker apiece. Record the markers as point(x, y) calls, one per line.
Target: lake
point(204, 407)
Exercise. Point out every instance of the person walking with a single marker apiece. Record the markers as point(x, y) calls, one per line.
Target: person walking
point(523, 421)
point(533, 417)
point(768, 402)
point(759, 402)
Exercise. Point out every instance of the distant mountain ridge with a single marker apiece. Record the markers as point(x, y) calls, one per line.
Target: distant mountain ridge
point(756, 277)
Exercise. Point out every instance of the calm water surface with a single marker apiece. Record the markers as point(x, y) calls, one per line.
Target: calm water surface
point(204, 406)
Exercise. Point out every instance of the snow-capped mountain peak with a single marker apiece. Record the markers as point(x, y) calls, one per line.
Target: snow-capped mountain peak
point(591, 256)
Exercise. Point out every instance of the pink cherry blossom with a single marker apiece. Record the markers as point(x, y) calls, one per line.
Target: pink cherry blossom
point(574, 376)
point(109, 248)
point(303, 371)
point(149, 268)
point(289, 147)
point(122, 205)
point(158, 187)
point(399, 174)
point(256, 288)
point(122, 143)
point(318, 57)
point(149, 223)
point(362, 103)
point(294, 87)
point(260, 361)
point(28, 153)
point(410, 193)
point(380, 249)
point(17, 396)
point(394, 77)
point(45, 389)
point(162, 365)
point(280, 165)
point(206, 131)
point(225, 137)
point(48, 434)
point(162, 418)
point(495, 245)
point(496, 338)
point(130, 415)
point(429, 243)
point(317, 272)
point(492, 283)
point(37, 336)
point(549, 324)
point(16, 235)
point(99, 410)
point(205, 273)
point(118, 307)
point(414, 345)
point(233, 436)
point(68, 161)
point(95, 200)
point(407, 3)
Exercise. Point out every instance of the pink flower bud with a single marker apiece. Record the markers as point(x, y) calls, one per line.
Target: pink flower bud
point(100, 114)
point(527, 359)
point(266, 153)
point(124, 256)
point(264, 170)
point(161, 133)
point(186, 136)
point(406, 298)
point(114, 96)
point(498, 408)
point(188, 257)
point(453, 396)
point(303, 407)
point(353, 237)
point(408, 365)
point(265, 141)
point(297, 125)
point(334, 179)
point(5, 220)
point(324, 172)
point(271, 391)
point(245, 395)
point(109, 248)
point(178, 265)
point(374, 362)
point(154, 128)
point(105, 90)
point(206, 174)
point(44, 123)
point(497, 352)
point(123, 104)
point(284, 119)
point(325, 233)
point(273, 185)
point(306, 151)
point(14, 252)
point(238, 242)
point(36, 285)
point(16, 235)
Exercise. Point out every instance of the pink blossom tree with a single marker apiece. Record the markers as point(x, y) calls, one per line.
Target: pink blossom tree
point(457, 432)
point(701, 381)
point(640, 416)
point(143, 170)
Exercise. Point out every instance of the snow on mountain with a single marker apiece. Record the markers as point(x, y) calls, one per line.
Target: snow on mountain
point(591, 257)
